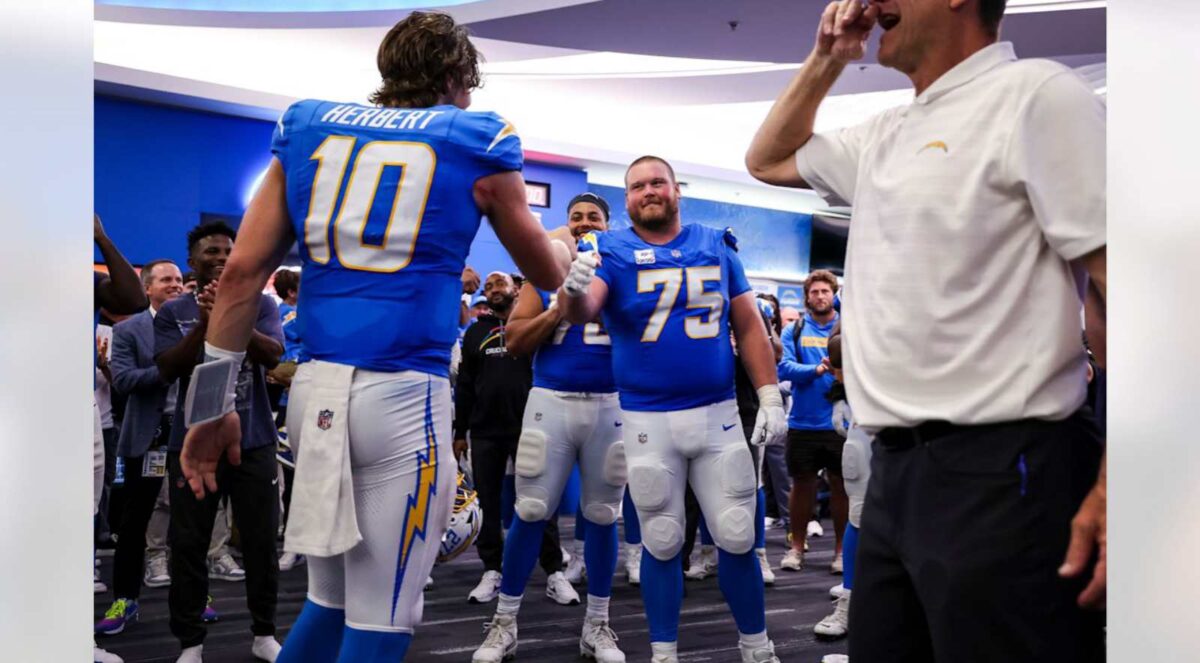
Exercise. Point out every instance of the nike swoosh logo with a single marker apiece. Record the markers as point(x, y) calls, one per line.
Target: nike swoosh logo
point(617, 424)
point(275, 481)
point(724, 427)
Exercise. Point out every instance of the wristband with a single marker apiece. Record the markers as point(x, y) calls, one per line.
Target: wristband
point(769, 396)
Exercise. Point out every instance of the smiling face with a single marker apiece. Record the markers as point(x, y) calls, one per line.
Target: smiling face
point(209, 256)
point(584, 218)
point(651, 195)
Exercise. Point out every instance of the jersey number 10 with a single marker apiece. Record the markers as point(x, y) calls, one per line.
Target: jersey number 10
point(417, 161)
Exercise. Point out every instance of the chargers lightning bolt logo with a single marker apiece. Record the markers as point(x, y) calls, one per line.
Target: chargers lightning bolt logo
point(416, 515)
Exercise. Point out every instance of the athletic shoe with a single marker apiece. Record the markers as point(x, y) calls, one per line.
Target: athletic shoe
point(191, 655)
point(836, 658)
point(703, 564)
point(210, 614)
point(633, 563)
point(428, 583)
point(815, 529)
point(561, 591)
point(792, 561)
point(98, 586)
point(836, 567)
point(157, 574)
point(265, 648)
point(289, 561)
point(121, 613)
point(836, 591)
point(765, 564)
point(487, 590)
point(759, 654)
point(599, 642)
point(576, 570)
point(224, 568)
point(662, 658)
point(837, 624)
point(101, 656)
point(500, 641)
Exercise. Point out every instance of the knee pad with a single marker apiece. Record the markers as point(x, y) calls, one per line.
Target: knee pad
point(650, 486)
point(532, 504)
point(531, 453)
point(616, 473)
point(856, 508)
point(662, 536)
point(600, 513)
point(734, 532)
point(736, 470)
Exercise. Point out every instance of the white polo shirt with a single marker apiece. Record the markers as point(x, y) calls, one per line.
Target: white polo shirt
point(959, 300)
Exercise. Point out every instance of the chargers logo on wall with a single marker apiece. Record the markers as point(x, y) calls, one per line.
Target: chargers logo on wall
point(792, 296)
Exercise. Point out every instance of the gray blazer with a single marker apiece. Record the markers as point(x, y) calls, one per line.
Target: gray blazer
point(134, 373)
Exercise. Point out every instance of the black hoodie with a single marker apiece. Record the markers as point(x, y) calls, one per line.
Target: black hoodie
point(492, 384)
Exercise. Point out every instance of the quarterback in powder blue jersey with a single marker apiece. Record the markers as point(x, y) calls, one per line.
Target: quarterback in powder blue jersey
point(572, 415)
point(669, 294)
point(384, 201)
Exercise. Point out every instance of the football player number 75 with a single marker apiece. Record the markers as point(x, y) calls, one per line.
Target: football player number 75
point(407, 202)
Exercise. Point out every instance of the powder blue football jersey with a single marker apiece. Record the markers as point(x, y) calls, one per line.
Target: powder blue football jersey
point(382, 205)
point(575, 358)
point(667, 313)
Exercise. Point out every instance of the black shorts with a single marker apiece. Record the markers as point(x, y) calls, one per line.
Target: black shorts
point(809, 451)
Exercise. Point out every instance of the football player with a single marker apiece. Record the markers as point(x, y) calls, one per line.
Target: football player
point(669, 294)
point(384, 200)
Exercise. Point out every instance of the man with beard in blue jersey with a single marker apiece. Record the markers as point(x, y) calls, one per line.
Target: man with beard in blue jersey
point(669, 294)
point(572, 415)
point(385, 201)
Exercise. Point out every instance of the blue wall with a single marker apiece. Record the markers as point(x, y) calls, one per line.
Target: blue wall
point(768, 240)
point(158, 168)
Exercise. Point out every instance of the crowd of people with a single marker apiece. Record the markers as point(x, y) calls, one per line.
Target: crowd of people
point(961, 461)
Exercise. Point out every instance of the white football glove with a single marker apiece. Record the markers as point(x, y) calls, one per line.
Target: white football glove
point(583, 270)
point(771, 424)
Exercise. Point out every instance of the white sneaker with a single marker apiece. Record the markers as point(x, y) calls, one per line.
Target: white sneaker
point(290, 560)
point(561, 591)
point(815, 529)
point(836, 591)
point(792, 561)
point(703, 564)
point(224, 568)
point(765, 564)
point(500, 643)
point(663, 658)
point(487, 590)
point(836, 567)
point(759, 654)
point(599, 642)
point(576, 571)
point(98, 586)
point(837, 624)
point(835, 658)
point(428, 582)
point(265, 648)
point(633, 563)
point(157, 574)
point(191, 655)
point(101, 656)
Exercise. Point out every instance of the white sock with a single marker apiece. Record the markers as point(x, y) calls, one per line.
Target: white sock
point(756, 641)
point(597, 608)
point(509, 605)
point(191, 655)
point(266, 647)
point(664, 649)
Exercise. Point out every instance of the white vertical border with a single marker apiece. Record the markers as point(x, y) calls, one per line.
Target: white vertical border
point(46, 338)
point(1154, 348)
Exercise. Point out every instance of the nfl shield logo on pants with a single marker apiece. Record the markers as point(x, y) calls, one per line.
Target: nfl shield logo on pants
point(324, 419)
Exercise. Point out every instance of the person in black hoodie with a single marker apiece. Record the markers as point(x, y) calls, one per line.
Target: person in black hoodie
point(489, 405)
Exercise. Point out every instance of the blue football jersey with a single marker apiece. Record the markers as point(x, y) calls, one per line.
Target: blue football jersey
point(575, 358)
point(667, 313)
point(382, 205)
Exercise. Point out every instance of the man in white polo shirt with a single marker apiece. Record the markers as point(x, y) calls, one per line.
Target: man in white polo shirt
point(979, 213)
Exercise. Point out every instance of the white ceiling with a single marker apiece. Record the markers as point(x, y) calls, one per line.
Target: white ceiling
point(587, 107)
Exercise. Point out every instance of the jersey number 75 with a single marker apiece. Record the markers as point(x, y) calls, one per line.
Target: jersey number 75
point(417, 162)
